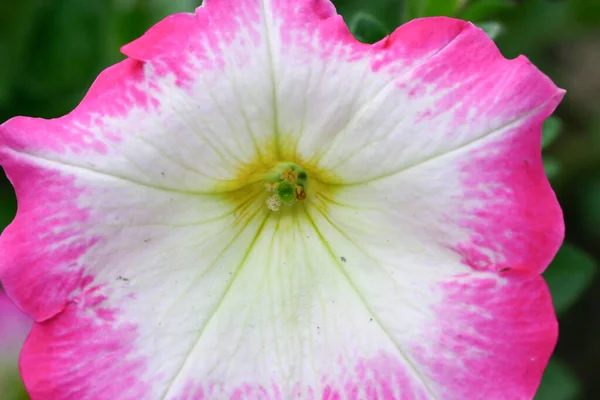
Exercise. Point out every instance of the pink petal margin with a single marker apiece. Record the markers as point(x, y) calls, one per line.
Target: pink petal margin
point(495, 337)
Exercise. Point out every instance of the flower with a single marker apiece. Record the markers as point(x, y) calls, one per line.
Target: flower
point(254, 205)
point(14, 326)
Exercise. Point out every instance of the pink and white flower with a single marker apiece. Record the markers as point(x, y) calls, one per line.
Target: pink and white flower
point(153, 250)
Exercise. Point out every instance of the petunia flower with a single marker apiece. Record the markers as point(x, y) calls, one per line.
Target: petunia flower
point(14, 326)
point(254, 205)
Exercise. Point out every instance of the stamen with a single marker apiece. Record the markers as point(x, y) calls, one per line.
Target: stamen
point(273, 203)
point(300, 193)
point(287, 182)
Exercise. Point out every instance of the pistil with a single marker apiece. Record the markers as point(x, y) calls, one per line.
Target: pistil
point(287, 182)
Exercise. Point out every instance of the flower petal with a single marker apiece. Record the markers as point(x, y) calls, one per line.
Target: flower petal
point(489, 202)
point(446, 318)
point(209, 100)
point(435, 136)
point(494, 337)
point(291, 318)
point(119, 267)
point(434, 86)
point(442, 128)
point(147, 124)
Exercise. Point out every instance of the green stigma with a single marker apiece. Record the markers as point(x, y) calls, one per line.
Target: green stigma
point(287, 182)
point(285, 193)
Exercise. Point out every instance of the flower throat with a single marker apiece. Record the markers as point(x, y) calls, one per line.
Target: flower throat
point(287, 183)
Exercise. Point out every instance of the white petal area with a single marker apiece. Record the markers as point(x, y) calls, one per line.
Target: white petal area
point(221, 295)
point(487, 202)
point(292, 322)
point(434, 86)
point(288, 302)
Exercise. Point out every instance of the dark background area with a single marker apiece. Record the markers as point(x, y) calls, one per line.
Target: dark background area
point(51, 51)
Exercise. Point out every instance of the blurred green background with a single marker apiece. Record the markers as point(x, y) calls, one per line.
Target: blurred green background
point(51, 51)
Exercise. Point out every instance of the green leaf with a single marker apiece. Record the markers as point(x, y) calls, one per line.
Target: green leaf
point(550, 130)
point(439, 8)
point(17, 20)
point(367, 28)
point(586, 12)
point(60, 63)
point(558, 383)
point(484, 9)
point(11, 385)
point(387, 12)
point(162, 8)
point(569, 275)
point(492, 28)
point(429, 8)
point(588, 205)
point(552, 166)
point(8, 204)
point(533, 26)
